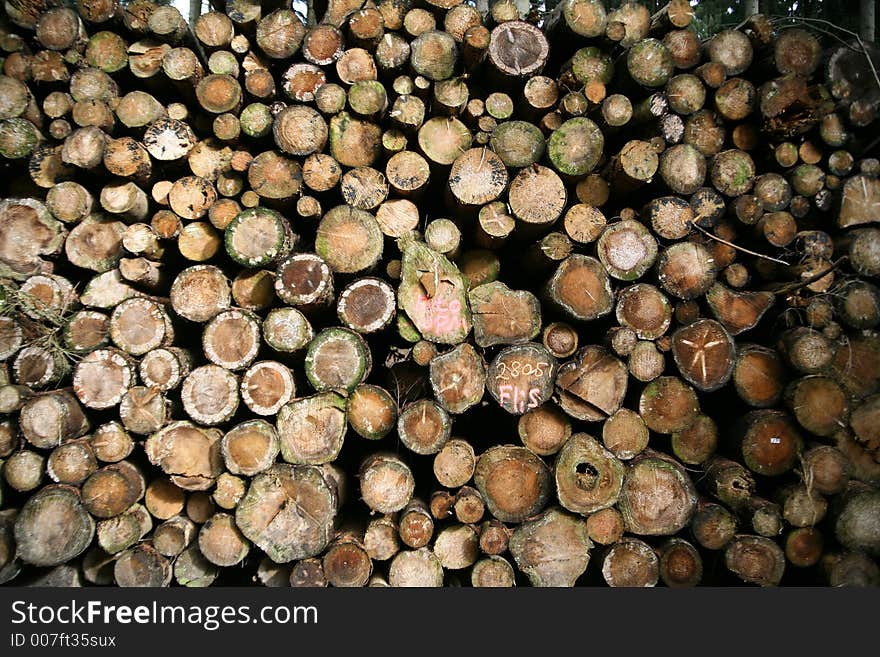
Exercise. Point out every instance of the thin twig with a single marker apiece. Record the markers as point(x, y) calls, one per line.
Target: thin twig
point(740, 248)
point(792, 287)
point(870, 147)
point(44, 324)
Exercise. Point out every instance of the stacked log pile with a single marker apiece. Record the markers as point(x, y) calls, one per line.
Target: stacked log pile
point(416, 295)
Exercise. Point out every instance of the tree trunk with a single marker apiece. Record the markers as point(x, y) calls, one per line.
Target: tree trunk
point(867, 20)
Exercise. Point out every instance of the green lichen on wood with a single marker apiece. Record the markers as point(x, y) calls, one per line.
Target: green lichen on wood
point(354, 143)
point(407, 330)
point(575, 147)
point(267, 237)
point(18, 138)
point(590, 64)
point(650, 63)
point(337, 358)
point(433, 294)
point(518, 143)
point(256, 120)
point(588, 477)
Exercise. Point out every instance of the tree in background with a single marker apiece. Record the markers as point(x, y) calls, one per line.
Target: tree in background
point(868, 19)
point(195, 10)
